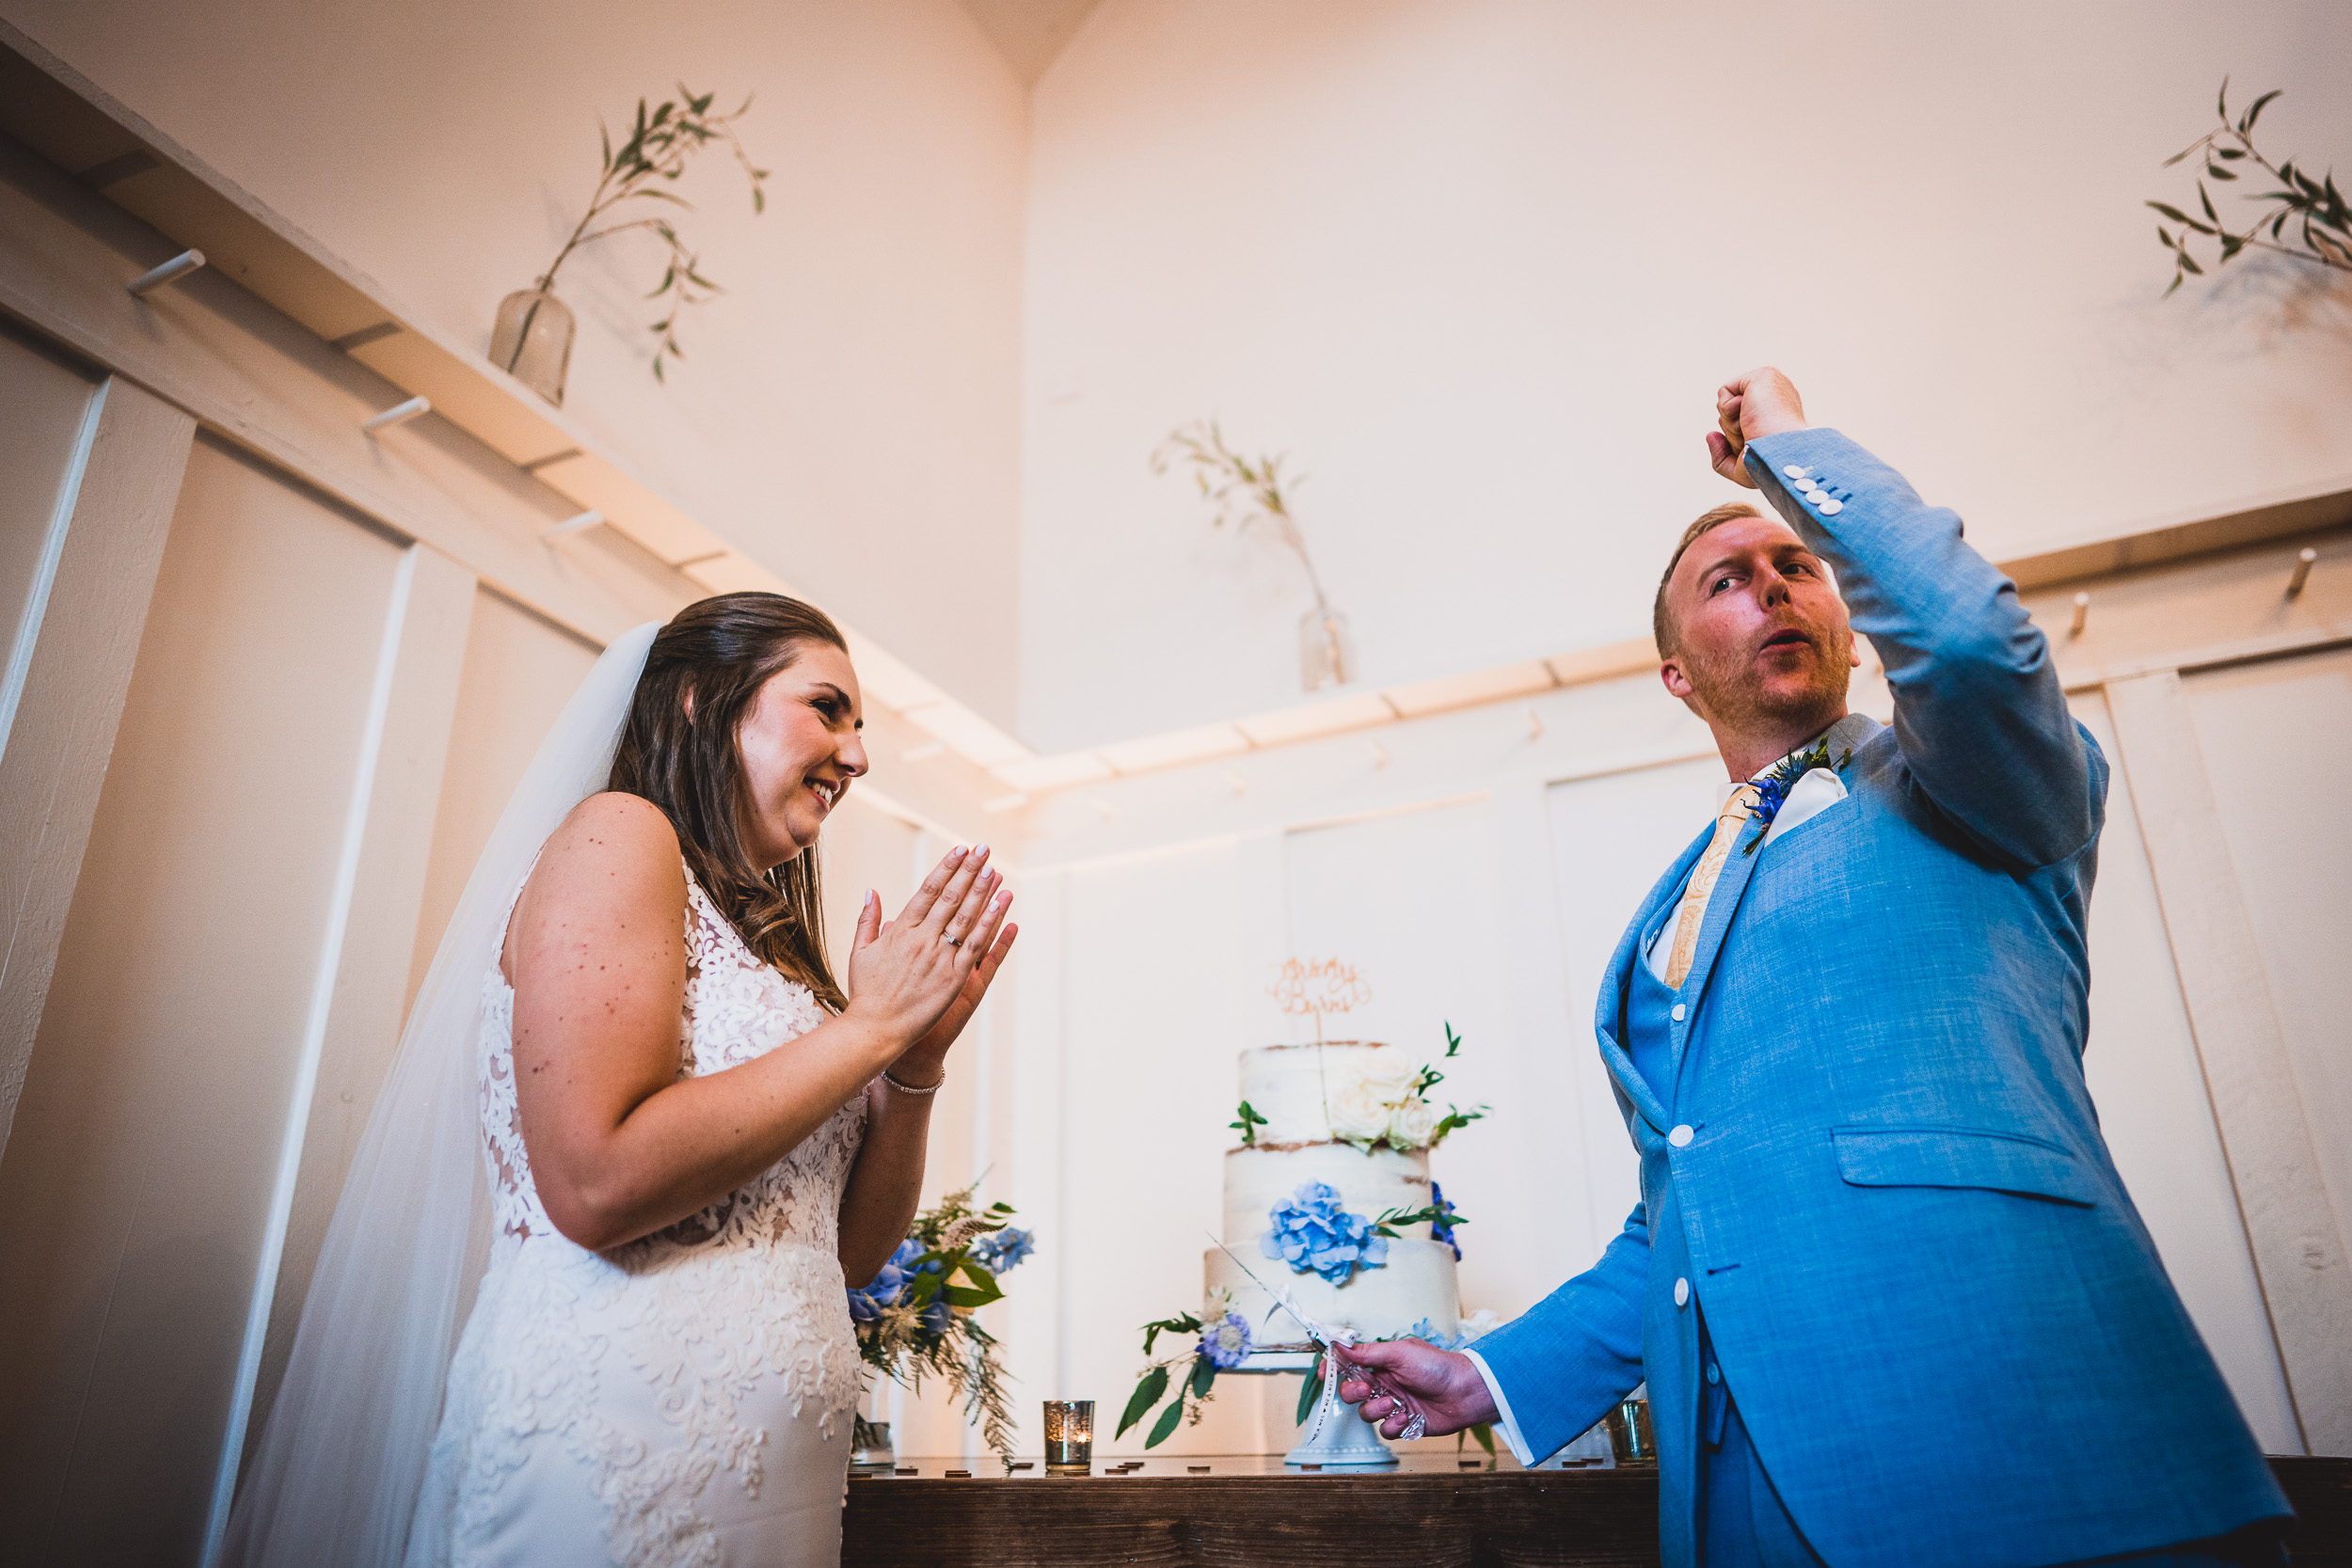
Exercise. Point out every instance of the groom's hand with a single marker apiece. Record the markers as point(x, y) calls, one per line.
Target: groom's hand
point(1748, 407)
point(1445, 1383)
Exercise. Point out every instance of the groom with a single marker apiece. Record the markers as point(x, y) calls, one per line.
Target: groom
point(1890, 1297)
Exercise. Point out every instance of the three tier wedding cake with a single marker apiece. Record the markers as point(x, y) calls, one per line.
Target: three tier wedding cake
point(1329, 1196)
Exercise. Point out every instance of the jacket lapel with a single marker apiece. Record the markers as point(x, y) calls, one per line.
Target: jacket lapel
point(1619, 975)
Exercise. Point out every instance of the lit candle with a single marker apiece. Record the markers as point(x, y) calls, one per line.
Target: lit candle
point(1069, 1438)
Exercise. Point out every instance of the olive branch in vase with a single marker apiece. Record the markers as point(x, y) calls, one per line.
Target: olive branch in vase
point(2316, 209)
point(659, 145)
point(1246, 490)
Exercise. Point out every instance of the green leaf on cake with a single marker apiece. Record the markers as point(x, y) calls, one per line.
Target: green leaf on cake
point(1147, 1394)
point(1183, 1323)
point(1247, 1125)
point(1167, 1422)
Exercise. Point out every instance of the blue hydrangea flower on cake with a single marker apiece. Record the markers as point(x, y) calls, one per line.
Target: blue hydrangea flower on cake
point(1314, 1235)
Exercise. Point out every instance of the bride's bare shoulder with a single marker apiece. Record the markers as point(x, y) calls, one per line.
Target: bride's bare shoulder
point(618, 844)
point(611, 866)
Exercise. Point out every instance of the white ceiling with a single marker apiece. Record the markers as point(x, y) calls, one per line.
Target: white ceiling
point(1030, 33)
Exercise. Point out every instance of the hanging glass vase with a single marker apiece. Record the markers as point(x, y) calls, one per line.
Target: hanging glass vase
point(533, 342)
point(1322, 652)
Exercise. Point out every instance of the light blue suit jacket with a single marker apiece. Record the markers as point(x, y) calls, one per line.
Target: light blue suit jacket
point(1947, 1331)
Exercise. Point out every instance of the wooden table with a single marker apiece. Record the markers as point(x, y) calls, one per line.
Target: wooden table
point(1247, 1510)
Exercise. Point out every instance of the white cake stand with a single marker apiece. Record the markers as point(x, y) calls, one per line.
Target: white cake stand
point(1336, 1438)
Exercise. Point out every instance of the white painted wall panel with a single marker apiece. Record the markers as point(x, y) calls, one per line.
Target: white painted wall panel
point(2277, 739)
point(2153, 1110)
point(44, 401)
point(135, 1187)
point(521, 670)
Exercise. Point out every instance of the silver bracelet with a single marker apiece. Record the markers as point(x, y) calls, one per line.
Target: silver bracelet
point(909, 1089)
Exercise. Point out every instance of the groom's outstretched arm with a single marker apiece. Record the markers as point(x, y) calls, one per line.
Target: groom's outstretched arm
point(1545, 1377)
point(1557, 1368)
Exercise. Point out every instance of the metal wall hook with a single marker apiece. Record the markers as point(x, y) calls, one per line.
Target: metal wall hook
point(1534, 724)
point(2302, 570)
point(399, 413)
point(573, 525)
point(2082, 615)
point(170, 272)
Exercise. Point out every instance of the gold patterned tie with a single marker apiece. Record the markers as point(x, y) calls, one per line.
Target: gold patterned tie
point(1728, 822)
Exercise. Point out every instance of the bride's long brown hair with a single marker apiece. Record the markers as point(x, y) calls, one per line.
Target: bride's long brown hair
point(720, 652)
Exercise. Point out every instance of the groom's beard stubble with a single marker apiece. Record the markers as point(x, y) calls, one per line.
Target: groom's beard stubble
point(1733, 694)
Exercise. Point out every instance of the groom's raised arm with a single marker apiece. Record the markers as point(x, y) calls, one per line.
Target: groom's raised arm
point(1558, 1368)
point(1979, 713)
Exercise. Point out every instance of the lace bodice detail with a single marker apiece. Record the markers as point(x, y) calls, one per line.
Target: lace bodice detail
point(736, 1008)
point(662, 1366)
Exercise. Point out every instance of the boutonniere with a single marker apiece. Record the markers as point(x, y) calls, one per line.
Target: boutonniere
point(1773, 789)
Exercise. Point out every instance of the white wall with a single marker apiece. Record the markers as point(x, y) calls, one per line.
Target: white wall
point(1478, 265)
point(852, 398)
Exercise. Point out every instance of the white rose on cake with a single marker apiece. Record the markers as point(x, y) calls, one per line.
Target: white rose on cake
point(1361, 1111)
point(1412, 1124)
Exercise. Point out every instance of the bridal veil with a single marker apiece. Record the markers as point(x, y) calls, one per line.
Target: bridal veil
point(336, 1475)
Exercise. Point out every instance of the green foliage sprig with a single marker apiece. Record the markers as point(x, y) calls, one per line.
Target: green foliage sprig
point(658, 147)
point(1391, 1219)
point(1245, 490)
point(2322, 221)
point(1247, 1125)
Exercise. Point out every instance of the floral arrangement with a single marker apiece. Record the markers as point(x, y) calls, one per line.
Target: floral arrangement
point(915, 1317)
point(1386, 1104)
point(1224, 1339)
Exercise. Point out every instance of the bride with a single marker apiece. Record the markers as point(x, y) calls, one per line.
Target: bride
point(692, 1137)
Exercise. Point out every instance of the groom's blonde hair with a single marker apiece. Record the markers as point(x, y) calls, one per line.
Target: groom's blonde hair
point(1661, 622)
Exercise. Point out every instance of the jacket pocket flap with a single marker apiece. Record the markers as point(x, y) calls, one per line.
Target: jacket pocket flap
point(1955, 1157)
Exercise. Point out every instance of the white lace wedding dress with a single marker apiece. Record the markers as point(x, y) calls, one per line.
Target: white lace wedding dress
point(684, 1399)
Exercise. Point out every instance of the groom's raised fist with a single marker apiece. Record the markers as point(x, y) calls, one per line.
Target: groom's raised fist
point(1761, 402)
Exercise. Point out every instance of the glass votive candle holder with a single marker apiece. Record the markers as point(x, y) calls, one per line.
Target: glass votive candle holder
point(1069, 1438)
point(1629, 1434)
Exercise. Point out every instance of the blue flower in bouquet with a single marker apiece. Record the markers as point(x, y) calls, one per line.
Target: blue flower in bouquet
point(887, 1286)
point(938, 1317)
point(1441, 1229)
point(1004, 1249)
point(1227, 1341)
point(1314, 1235)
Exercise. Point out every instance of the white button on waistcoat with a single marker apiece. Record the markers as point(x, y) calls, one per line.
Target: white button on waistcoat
point(1714, 1374)
point(1682, 1293)
point(1680, 1012)
point(1806, 485)
point(1796, 470)
point(1681, 1137)
point(1831, 507)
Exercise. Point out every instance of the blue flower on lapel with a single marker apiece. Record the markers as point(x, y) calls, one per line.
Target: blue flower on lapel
point(1773, 787)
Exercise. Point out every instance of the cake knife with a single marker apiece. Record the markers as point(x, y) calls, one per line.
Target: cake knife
point(1335, 1339)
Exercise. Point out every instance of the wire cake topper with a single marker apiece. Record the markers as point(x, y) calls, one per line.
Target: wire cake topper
point(1318, 987)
